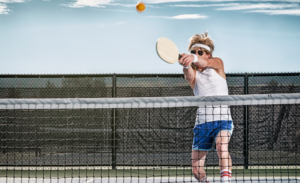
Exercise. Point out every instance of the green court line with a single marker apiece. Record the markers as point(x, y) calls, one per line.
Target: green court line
point(293, 173)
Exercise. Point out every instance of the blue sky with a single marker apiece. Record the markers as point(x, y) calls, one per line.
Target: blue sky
point(110, 36)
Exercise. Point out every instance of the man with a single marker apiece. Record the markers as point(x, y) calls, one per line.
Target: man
point(206, 76)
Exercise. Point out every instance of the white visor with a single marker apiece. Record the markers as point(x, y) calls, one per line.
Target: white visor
point(201, 46)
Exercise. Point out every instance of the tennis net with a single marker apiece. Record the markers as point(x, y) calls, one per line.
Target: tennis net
point(146, 139)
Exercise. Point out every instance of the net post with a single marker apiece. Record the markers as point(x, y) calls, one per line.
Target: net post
point(113, 126)
point(246, 125)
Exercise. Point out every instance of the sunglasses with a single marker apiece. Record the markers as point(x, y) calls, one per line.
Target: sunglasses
point(200, 52)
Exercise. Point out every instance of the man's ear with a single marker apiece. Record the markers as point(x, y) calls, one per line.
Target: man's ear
point(208, 56)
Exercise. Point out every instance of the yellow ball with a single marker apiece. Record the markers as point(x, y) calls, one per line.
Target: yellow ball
point(140, 6)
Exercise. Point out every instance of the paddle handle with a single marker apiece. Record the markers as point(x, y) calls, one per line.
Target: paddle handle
point(179, 57)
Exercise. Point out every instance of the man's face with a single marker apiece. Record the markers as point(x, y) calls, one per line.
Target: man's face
point(204, 55)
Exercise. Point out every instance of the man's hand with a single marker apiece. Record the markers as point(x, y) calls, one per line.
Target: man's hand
point(186, 60)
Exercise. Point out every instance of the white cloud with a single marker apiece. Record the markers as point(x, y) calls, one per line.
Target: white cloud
point(267, 8)
point(184, 16)
point(99, 3)
point(179, 1)
point(124, 5)
point(91, 3)
point(3, 9)
point(132, 5)
point(12, 1)
point(202, 5)
point(279, 12)
point(259, 6)
point(190, 16)
point(126, 11)
point(239, 6)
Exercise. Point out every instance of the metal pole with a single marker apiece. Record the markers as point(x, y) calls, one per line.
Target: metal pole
point(113, 126)
point(246, 125)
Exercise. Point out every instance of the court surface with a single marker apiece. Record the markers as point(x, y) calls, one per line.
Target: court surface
point(144, 180)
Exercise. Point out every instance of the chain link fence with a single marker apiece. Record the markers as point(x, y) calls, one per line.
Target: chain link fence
point(36, 142)
point(136, 85)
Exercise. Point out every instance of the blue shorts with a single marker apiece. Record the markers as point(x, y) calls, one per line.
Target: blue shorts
point(205, 134)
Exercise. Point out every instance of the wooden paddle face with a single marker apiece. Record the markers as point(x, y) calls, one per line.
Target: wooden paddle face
point(167, 50)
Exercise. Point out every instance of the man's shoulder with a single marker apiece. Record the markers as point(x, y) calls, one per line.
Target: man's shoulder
point(217, 58)
point(219, 61)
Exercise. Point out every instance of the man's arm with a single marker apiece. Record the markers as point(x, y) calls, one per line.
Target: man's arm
point(215, 63)
point(189, 73)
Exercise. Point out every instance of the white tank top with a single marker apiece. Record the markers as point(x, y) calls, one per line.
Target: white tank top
point(210, 83)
